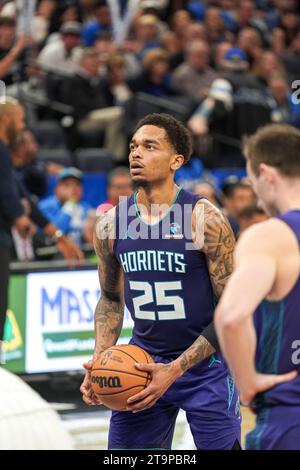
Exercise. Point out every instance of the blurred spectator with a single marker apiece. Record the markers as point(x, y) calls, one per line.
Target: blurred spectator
point(93, 104)
point(237, 196)
point(102, 23)
point(116, 77)
point(156, 8)
point(284, 110)
point(12, 212)
point(291, 59)
point(192, 32)
point(247, 16)
point(65, 12)
point(145, 36)
point(31, 171)
point(194, 76)
point(63, 55)
point(215, 27)
point(265, 65)
point(66, 209)
point(156, 78)
point(236, 106)
point(41, 21)
point(12, 58)
point(250, 215)
point(276, 9)
point(249, 40)
point(180, 21)
point(171, 44)
point(289, 23)
point(207, 190)
point(219, 54)
point(119, 185)
point(106, 47)
point(87, 8)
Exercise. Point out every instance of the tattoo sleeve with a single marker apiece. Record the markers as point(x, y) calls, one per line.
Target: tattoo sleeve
point(109, 312)
point(217, 242)
point(197, 352)
point(218, 247)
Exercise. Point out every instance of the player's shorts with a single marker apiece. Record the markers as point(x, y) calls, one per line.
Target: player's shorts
point(277, 428)
point(208, 396)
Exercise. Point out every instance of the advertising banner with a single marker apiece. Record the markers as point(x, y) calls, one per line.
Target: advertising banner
point(50, 321)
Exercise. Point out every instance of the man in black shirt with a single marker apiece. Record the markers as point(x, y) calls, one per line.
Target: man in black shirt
point(12, 212)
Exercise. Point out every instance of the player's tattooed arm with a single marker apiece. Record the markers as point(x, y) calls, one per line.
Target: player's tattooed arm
point(197, 352)
point(217, 242)
point(109, 311)
point(213, 236)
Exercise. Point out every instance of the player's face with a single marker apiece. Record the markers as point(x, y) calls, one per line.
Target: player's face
point(264, 191)
point(151, 156)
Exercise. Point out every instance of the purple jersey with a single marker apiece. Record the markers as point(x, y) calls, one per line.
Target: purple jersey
point(278, 337)
point(167, 286)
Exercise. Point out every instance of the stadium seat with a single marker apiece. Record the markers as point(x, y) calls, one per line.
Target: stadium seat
point(62, 156)
point(49, 134)
point(94, 159)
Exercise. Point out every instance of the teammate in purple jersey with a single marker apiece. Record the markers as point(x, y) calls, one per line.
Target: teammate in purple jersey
point(258, 317)
point(170, 290)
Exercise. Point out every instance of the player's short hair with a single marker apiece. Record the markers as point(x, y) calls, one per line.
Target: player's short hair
point(178, 135)
point(277, 145)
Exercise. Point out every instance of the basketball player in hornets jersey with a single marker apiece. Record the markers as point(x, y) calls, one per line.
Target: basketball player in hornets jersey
point(173, 268)
point(258, 318)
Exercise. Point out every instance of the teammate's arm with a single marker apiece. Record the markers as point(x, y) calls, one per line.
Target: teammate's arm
point(250, 283)
point(109, 312)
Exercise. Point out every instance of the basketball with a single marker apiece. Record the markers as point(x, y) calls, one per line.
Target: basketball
point(115, 378)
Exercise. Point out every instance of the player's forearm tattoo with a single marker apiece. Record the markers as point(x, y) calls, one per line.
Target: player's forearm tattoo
point(197, 352)
point(218, 247)
point(109, 311)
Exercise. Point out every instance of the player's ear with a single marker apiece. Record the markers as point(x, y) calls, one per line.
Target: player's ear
point(268, 172)
point(177, 161)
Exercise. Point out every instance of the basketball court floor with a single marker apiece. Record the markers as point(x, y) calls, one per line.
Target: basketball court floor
point(89, 430)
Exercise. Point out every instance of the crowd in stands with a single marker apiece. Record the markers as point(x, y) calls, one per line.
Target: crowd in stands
point(86, 71)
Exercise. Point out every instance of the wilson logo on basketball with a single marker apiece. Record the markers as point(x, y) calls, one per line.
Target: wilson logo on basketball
point(110, 382)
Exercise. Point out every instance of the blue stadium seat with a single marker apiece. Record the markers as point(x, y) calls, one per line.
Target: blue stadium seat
point(94, 159)
point(49, 134)
point(62, 156)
